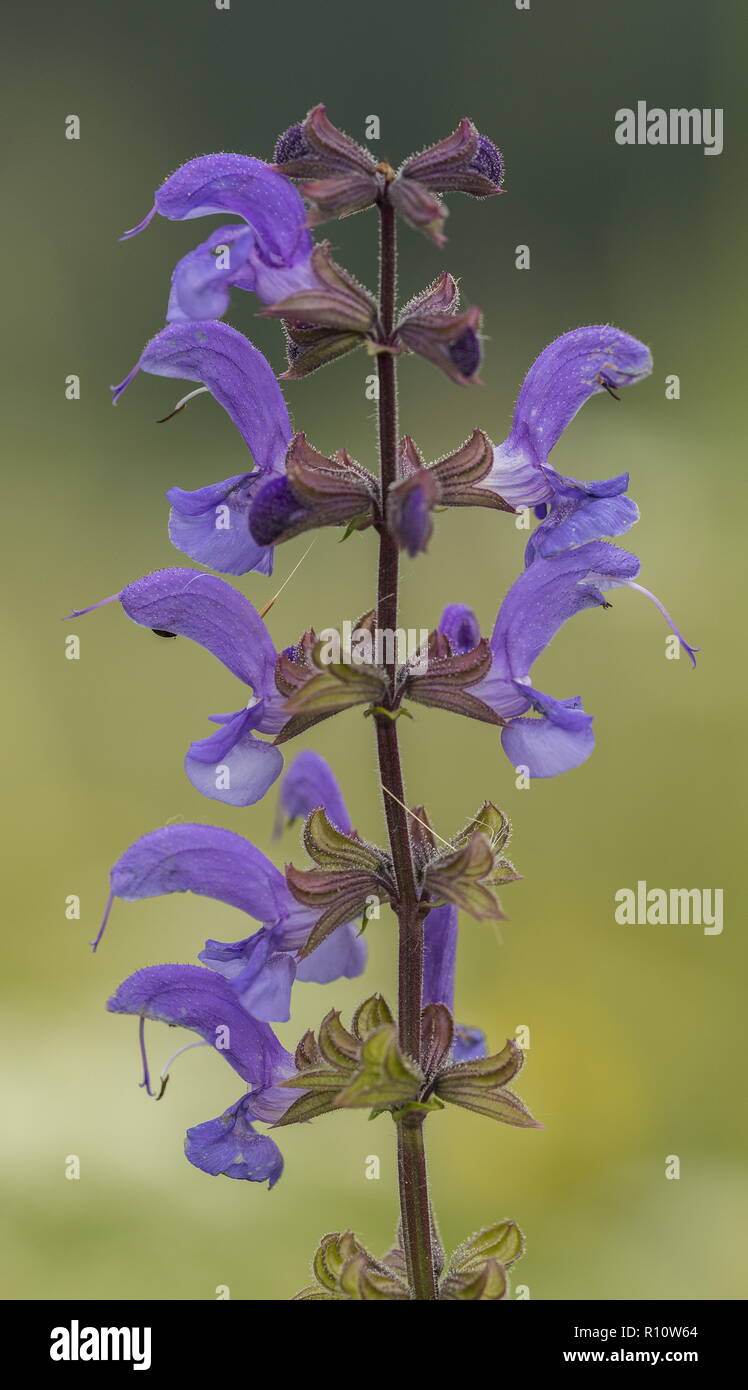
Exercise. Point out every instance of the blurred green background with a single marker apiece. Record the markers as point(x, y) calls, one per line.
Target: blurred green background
point(637, 1033)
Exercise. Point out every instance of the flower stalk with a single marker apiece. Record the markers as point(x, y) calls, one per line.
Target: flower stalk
point(415, 1207)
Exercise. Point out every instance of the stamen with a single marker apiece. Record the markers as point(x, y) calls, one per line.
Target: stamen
point(164, 1073)
point(180, 405)
point(607, 387)
point(685, 645)
point(146, 1082)
point(102, 928)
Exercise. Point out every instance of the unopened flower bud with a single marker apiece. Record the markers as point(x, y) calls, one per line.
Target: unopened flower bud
point(420, 208)
point(466, 162)
point(343, 177)
point(450, 340)
point(409, 510)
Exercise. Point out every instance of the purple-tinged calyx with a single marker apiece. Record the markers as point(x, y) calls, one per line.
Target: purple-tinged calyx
point(419, 208)
point(466, 870)
point(314, 491)
point(465, 162)
point(450, 482)
point(447, 679)
point(336, 300)
point(349, 875)
point(340, 176)
point(309, 347)
point(317, 684)
point(327, 320)
point(431, 326)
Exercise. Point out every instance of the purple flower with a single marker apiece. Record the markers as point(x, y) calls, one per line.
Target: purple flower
point(557, 735)
point(310, 782)
point(211, 524)
point(188, 996)
point(230, 1146)
point(439, 961)
point(274, 510)
point(268, 253)
point(221, 865)
point(231, 765)
point(574, 367)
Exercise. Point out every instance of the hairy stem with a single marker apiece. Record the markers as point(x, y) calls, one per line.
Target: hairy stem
point(415, 1207)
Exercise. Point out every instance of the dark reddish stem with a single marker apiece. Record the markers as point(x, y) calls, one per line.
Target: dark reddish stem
point(417, 1227)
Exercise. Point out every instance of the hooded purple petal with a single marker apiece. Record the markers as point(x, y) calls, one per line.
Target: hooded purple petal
point(574, 367)
point(539, 603)
point(208, 611)
point(189, 996)
point(211, 525)
point(234, 372)
point(239, 184)
point(201, 859)
point(230, 1147)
